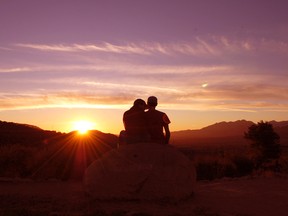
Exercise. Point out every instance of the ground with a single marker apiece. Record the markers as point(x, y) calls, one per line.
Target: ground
point(249, 196)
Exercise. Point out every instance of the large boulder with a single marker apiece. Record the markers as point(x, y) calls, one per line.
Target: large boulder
point(145, 171)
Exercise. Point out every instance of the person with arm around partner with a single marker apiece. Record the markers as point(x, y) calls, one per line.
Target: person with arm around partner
point(135, 125)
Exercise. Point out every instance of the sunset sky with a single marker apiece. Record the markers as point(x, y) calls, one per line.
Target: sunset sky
point(207, 61)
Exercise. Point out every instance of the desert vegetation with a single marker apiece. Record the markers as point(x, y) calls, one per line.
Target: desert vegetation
point(262, 153)
point(264, 142)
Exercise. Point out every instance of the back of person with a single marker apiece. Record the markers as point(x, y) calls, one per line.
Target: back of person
point(135, 123)
point(157, 122)
point(155, 125)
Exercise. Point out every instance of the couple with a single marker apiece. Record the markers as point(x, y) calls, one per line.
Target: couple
point(141, 126)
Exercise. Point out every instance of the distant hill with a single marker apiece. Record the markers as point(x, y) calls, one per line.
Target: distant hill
point(279, 124)
point(227, 129)
point(50, 154)
point(221, 133)
point(28, 135)
point(106, 140)
point(224, 133)
point(8, 126)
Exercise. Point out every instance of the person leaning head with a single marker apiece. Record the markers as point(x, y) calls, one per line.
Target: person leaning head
point(140, 103)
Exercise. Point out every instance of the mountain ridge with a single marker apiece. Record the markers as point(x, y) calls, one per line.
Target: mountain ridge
point(225, 133)
point(218, 133)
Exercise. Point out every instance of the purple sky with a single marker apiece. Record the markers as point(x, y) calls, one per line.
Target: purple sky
point(206, 61)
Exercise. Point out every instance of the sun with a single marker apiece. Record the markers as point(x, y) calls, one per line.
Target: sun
point(83, 126)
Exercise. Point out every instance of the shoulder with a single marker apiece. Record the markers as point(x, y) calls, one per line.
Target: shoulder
point(166, 119)
point(128, 112)
point(161, 115)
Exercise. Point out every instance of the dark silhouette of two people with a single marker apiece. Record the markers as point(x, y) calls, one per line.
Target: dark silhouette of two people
point(145, 126)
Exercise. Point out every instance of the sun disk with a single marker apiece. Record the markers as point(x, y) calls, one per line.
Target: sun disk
point(83, 126)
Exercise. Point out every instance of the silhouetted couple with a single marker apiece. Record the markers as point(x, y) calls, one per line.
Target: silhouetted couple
point(141, 126)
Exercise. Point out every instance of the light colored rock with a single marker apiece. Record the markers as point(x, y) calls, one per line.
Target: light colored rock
point(145, 171)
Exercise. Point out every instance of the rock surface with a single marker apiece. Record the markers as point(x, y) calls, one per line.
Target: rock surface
point(145, 171)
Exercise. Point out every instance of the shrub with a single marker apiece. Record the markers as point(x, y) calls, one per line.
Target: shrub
point(16, 161)
point(264, 142)
point(244, 165)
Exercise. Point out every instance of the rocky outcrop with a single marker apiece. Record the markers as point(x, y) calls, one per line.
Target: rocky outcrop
point(145, 171)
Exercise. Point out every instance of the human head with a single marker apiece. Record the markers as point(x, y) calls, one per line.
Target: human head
point(152, 101)
point(140, 104)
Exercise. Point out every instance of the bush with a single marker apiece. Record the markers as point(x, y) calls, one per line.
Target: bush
point(16, 161)
point(264, 142)
point(244, 165)
point(283, 161)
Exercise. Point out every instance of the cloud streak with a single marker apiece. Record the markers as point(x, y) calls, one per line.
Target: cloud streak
point(189, 87)
point(14, 70)
point(200, 47)
point(213, 46)
point(89, 94)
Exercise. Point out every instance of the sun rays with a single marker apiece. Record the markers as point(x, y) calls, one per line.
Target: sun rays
point(68, 155)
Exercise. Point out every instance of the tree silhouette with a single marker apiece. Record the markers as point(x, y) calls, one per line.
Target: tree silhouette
point(265, 141)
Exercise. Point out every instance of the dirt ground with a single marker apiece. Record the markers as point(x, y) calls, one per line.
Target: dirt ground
point(257, 196)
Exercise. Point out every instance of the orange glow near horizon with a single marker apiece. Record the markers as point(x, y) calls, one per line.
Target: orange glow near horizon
point(83, 126)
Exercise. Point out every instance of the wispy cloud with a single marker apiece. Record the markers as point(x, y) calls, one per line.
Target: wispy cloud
point(5, 48)
point(213, 46)
point(200, 47)
point(187, 75)
point(251, 45)
point(188, 86)
point(121, 68)
point(89, 94)
point(14, 70)
point(131, 87)
point(59, 99)
point(105, 47)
